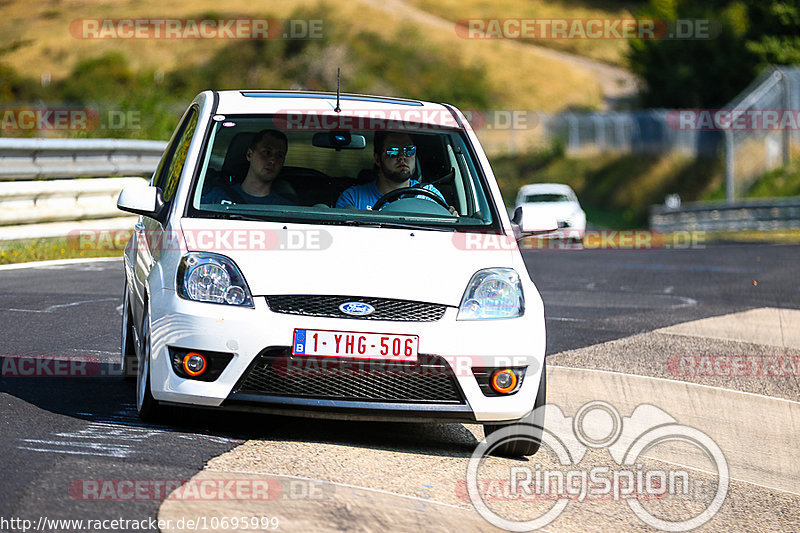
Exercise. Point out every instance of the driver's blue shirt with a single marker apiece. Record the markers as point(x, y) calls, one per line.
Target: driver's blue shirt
point(365, 196)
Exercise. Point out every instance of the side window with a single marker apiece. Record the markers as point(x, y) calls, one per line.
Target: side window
point(171, 166)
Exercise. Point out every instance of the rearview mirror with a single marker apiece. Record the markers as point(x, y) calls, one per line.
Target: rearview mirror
point(339, 140)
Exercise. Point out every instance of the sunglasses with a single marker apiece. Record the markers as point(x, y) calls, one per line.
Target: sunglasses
point(408, 151)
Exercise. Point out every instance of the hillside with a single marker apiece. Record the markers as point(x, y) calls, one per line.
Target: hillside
point(37, 42)
point(611, 51)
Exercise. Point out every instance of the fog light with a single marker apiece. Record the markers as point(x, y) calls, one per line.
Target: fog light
point(194, 364)
point(504, 381)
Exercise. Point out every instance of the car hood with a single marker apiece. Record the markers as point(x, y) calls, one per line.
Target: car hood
point(282, 258)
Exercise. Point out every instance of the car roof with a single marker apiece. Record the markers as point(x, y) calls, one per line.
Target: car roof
point(351, 105)
point(534, 188)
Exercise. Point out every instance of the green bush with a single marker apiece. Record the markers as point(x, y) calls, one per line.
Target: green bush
point(784, 181)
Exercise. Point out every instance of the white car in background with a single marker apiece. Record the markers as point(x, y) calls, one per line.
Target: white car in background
point(418, 307)
point(558, 201)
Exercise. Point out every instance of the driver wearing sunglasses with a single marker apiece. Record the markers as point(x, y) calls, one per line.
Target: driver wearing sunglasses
point(395, 158)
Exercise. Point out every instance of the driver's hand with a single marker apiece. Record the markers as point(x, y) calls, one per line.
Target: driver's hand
point(452, 210)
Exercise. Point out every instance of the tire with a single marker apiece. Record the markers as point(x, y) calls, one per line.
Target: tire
point(127, 343)
point(147, 406)
point(530, 428)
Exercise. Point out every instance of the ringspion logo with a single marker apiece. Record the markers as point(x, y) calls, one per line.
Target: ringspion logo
point(571, 479)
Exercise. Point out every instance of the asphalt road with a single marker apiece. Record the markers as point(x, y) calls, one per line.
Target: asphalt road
point(593, 296)
point(60, 433)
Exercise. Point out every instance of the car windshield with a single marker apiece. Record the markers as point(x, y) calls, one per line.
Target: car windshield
point(546, 198)
point(320, 165)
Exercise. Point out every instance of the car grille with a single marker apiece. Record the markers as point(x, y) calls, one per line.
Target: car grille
point(276, 372)
point(328, 306)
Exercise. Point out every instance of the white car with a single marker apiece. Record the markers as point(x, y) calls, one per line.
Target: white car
point(415, 307)
point(559, 201)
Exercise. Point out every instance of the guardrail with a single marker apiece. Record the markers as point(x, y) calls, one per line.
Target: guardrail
point(766, 214)
point(67, 158)
point(35, 202)
point(34, 208)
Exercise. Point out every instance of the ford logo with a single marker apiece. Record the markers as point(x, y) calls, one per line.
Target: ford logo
point(356, 309)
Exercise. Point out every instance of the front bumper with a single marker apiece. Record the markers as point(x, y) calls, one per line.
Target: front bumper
point(246, 333)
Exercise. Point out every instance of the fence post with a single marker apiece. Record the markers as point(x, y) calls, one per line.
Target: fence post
point(786, 133)
point(730, 189)
point(573, 127)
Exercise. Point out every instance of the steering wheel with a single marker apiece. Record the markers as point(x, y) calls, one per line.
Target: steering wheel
point(408, 191)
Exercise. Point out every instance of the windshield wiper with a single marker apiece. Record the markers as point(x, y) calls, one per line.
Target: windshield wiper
point(235, 216)
point(345, 222)
point(402, 225)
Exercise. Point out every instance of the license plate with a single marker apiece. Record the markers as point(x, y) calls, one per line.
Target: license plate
point(326, 343)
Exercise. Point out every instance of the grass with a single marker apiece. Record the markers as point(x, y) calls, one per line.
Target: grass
point(23, 251)
point(783, 181)
point(772, 237)
point(779, 182)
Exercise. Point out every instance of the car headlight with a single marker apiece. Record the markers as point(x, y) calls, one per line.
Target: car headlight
point(207, 277)
point(492, 293)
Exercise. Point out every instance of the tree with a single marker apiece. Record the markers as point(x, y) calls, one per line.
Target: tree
point(774, 35)
point(745, 37)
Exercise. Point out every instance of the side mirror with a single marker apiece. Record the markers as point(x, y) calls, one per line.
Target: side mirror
point(140, 200)
point(529, 221)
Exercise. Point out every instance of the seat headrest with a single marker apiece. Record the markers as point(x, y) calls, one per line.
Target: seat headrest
point(235, 165)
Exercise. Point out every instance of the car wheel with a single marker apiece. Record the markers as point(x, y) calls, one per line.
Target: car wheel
point(529, 428)
point(127, 346)
point(146, 405)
